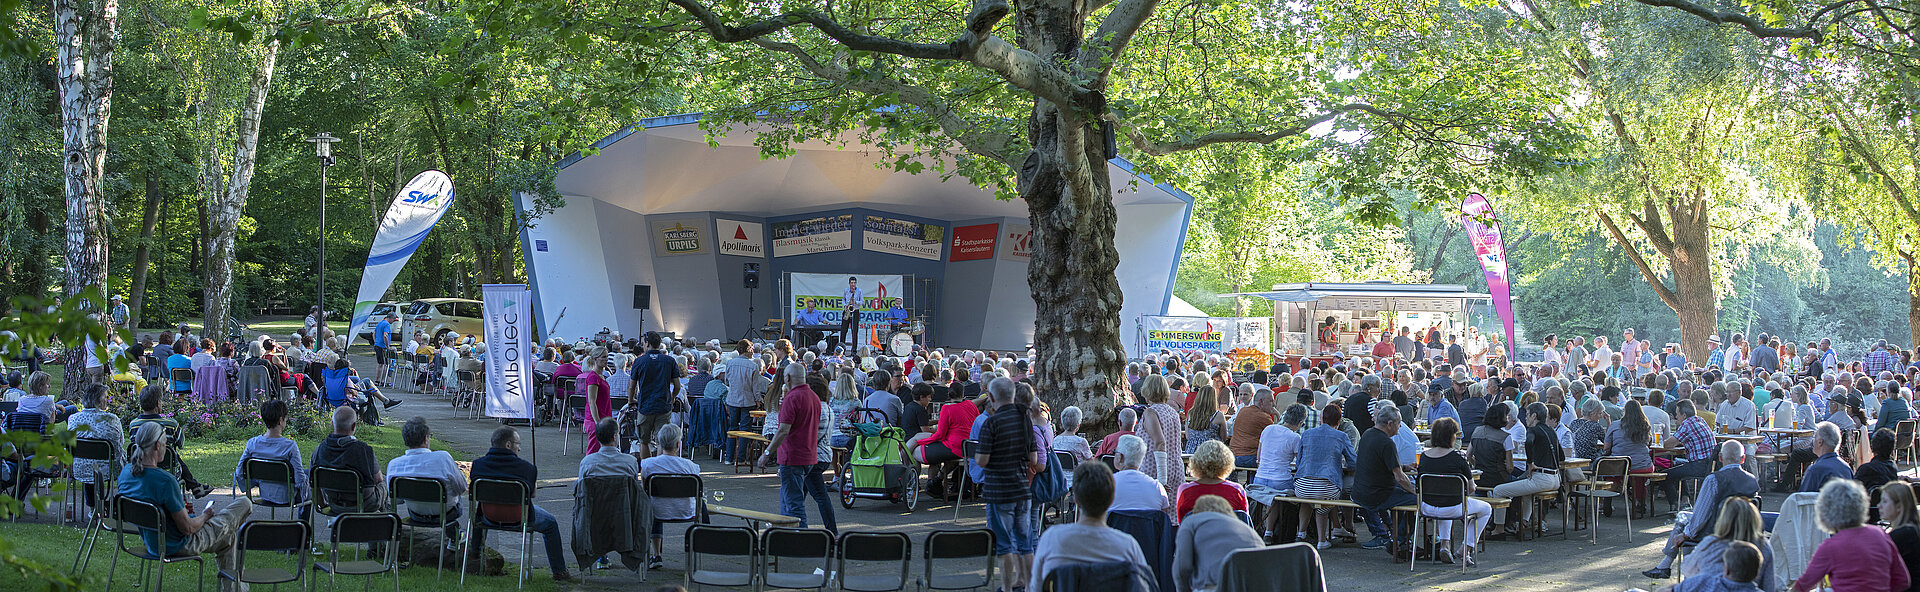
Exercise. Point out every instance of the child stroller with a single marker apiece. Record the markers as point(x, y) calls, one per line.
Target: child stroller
point(879, 466)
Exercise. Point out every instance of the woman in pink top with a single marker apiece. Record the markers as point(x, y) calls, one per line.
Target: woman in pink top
point(950, 437)
point(1859, 557)
point(599, 398)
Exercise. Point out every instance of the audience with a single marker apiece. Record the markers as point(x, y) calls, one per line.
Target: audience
point(274, 445)
point(1897, 507)
point(503, 462)
point(1381, 484)
point(795, 447)
point(1128, 419)
point(1859, 556)
point(1744, 565)
point(1325, 454)
point(1069, 439)
point(1088, 539)
point(1132, 489)
point(150, 413)
point(1210, 466)
point(1006, 449)
point(421, 462)
point(1731, 481)
point(1738, 522)
point(1827, 464)
point(94, 422)
point(1443, 459)
point(187, 532)
point(1204, 539)
point(667, 462)
point(342, 451)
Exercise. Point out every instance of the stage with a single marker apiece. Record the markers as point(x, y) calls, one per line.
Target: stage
point(658, 206)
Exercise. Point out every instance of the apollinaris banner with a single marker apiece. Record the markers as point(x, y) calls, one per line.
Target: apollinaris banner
point(412, 215)
point(507, 311)
point(1483, 230)
point(1241, 339)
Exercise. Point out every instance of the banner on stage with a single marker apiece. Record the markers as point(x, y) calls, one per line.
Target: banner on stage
point(1241, 339)
point(507, 319)
point(902, 237)
point(1019, 238)
point(414, 211)
point(972, 243)
point(813, 235)
point(828, 291)
point(679, 237)
point(740, 238)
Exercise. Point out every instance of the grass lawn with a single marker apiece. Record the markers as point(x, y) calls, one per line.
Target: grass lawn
point(213, 462)
point(278, 328)
point(54, 546)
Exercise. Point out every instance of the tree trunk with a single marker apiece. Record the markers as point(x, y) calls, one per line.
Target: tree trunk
point(1070, 205)
point(1692, 264)
point(143, 251)
point(224, 215)
point(85, 34)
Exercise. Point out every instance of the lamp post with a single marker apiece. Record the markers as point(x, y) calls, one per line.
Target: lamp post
point(323, 148)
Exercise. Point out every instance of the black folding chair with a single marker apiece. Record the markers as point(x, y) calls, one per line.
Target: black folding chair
point(364, 529)
point(737, 542)
point(143, 516)
point(101, 500)
point(672, 486)
point(874, 547)
point(419, 491)
point(182, 375)
point(504, 493)
point(949, 546)
point(576, 409)
point(290, 537)
point(811, 549)
point(255, 472)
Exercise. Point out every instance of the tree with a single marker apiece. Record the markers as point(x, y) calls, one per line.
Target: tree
point(85, 33)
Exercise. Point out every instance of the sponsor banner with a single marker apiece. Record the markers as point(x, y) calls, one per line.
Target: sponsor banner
point(876, 295)
point(679, 237)
point(902, 237)
point(414, 211)
point(813, 235)
point(973, 242)
point(1242, 339)
point(1019, 239)
point(507, 319)
point(1483, 230)
point(740, 238)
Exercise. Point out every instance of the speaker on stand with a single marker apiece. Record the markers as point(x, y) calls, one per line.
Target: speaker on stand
point(750, 278)
point(642, 300)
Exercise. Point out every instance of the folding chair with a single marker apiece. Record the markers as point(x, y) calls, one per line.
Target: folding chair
point(1063, 507)
point(721, 541)
point(102, 499)
point(671, 486)
point(425, 492)
point(966, 478)
point(1903, 439)
point(1299, 568)
point(1439, 484)
point(576, 409)
point(143, 516)
point(290, 537)
point(268, 471)
point(799, 547)
point(874, 547)
point(465, 392)
point(945, 546)
point(499, 493)
point(1606, 471)
point(330, 484)
point(364, 529)
point(182, 375)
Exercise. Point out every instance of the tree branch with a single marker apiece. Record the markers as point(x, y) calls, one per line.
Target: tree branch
point(1659, 287)
point(1753, 25)
point(1649, 224)
point(983, 143)
point(1141, 143)
point(1108, 42)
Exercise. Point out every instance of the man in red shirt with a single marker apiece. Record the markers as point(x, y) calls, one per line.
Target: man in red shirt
point(1112, 442)
point(796, 448)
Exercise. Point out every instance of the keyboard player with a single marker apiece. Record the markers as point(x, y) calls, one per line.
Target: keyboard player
point(809, 323)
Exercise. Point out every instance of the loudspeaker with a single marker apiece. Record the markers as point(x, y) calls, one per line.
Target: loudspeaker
point(752, 278)
point(642, 297)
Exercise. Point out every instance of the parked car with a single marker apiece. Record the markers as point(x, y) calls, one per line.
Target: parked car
point(380, 310)
point(438, 316)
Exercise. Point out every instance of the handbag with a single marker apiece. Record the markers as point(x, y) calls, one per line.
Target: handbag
point(1050, 483)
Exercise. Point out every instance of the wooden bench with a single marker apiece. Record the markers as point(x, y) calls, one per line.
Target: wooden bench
point(755, 443)
point(755, 519)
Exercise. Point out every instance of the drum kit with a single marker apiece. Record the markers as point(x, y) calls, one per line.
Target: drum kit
point(902, 341)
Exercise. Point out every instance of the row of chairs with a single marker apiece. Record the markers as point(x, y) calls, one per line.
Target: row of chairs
point(291, 538)
point(795, 558)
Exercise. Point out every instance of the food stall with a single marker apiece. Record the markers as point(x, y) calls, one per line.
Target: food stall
point(1321, 319)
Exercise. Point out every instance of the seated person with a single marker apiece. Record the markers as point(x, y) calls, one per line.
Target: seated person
point(273, 445)
point(1203, 541)
point(150, 413)
point(1132, 489)
point(668, 462)
point(1742, 574)
point(97, 423)
point(1069, 439)
point(342, 451)
point(1088, 539)
point(1211, 464)
point(425, 463)
point(188, 533)
point(1128, 417)
point(503, 462)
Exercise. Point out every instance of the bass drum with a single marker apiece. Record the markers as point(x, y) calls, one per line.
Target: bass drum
point(901, 344)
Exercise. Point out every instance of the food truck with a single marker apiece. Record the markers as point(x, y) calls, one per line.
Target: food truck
point(1317, 320)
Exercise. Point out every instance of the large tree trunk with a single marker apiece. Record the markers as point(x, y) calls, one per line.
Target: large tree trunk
point(85, 34)
point(1696, 304)
point(1070, 204)
point(144, 250)
point(224, 215)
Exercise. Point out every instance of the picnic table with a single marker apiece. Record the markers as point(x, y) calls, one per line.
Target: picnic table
point(755, 442)
point(755, 519)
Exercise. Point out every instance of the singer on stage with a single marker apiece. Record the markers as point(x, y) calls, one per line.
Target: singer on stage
point(850, 313)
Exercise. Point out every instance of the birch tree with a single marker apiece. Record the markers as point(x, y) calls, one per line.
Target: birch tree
point(85, 33)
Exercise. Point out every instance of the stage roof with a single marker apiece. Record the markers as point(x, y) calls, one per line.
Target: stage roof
point(665, 165)
point(1311, 292)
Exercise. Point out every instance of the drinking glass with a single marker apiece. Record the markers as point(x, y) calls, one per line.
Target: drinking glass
point(719, 496)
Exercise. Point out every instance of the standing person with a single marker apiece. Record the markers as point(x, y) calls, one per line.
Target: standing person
point(795, 448)
point(741, 373)
point(850, 311)
point(1159, 427)
point(382, 339)
point(502, 461)
point(188, 533)
point(120, 315)
point(1551, 349)
point(1006, 451)
point(655, 384)
point(311, 324)
point(593, 385)
point(1403, 345)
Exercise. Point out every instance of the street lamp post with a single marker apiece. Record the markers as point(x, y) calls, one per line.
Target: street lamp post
point(323, 148)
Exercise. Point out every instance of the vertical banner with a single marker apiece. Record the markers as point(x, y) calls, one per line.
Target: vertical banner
point(412, 215)
point(506, 314)
point(1483, 229)
point(878, 294)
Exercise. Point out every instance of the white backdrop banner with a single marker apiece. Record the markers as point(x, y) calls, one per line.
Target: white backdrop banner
point(507, 315)
point(1243, 339)
point(828, 292)
point(409, 219)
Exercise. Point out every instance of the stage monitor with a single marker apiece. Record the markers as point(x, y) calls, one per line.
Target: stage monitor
point(752, 277)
